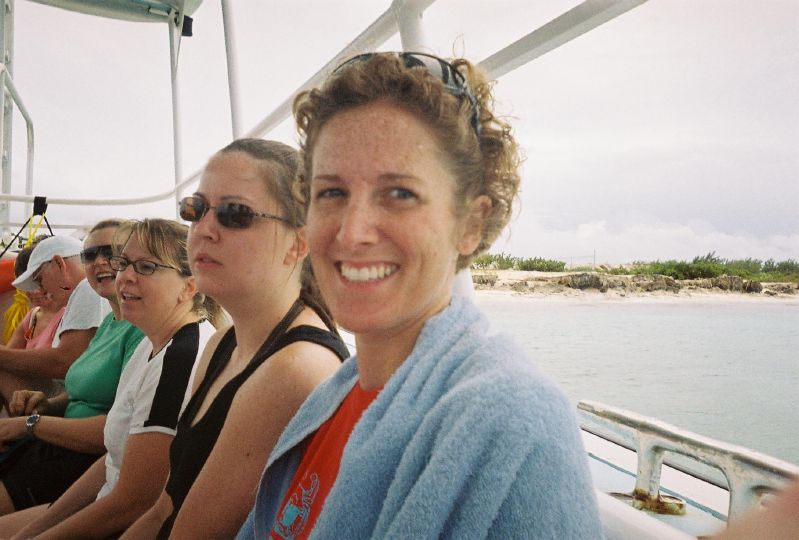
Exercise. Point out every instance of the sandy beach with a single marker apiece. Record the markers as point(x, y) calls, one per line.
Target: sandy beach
point(597, 286)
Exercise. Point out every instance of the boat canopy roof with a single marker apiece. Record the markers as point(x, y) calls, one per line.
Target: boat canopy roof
point(127, 10)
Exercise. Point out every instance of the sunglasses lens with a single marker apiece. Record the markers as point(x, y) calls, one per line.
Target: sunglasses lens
point(192, 208)
point(88, 255)
point(234, 215)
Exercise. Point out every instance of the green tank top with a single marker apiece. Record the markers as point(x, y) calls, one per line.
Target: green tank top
point(92, 380)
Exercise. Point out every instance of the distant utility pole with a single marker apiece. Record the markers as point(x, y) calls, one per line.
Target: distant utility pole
point(594, 258)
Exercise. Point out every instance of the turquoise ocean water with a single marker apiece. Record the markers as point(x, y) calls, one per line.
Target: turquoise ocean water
point(722, 367)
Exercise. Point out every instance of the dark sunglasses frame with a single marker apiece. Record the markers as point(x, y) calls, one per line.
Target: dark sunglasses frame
point(89, 255)
point(453, 80)
point(231, 215)
point(120, 263)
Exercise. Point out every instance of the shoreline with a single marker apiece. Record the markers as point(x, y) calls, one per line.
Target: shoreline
point(597, 286)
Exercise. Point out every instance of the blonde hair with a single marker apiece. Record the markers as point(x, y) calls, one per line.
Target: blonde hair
point(166, 240)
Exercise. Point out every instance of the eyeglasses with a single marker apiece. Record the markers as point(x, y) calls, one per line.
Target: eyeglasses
point(142, 266)
point(453, 80)
point(229, 214)
point(89, 255)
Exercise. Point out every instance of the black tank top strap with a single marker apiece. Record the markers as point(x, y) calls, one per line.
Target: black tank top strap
point(319, 336)
point(312, 334)
point(280, 328)
point(216, 364)
point(223, 353)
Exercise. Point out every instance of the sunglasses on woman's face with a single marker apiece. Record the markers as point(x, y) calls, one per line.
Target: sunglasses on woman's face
point(229, 214)
point(89, 255)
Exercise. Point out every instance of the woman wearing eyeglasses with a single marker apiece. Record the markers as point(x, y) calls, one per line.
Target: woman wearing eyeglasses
point(158, 294)
point(434, 429)
point(248, 252)
point(61, 436)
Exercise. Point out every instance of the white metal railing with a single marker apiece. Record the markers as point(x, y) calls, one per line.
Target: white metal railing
point(403, 17)
point(8, 84)
point(749, 474)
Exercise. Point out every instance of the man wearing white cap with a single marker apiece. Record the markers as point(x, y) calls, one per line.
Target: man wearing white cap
point(55, 267)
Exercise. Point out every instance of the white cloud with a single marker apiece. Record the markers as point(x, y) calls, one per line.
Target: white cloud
point(640, 241)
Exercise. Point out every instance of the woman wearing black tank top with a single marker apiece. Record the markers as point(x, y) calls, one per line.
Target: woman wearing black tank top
point(247, 251)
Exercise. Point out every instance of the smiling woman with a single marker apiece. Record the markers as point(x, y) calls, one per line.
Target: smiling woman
point(67, 428)
point(156, 293)
point(434, 429)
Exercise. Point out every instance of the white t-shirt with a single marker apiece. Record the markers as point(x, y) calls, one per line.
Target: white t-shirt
point(85, 309)
point(152, 393)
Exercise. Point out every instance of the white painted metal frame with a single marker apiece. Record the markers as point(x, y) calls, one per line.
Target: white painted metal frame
point(175, 28)
point(749, 474)
point(6, 124)
point(8, 85)
point(403, 16)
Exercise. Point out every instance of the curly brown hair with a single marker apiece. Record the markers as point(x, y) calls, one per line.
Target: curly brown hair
point(484, 164)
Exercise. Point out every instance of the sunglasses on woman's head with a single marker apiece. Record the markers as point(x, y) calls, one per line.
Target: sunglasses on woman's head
point(229, 214)
point(453, 80)
point(89, 255)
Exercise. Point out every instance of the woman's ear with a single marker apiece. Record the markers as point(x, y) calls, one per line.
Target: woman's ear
point(472, 227)
point(189, 289)
point(298, 249)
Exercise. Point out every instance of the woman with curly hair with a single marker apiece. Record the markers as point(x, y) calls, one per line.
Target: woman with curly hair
point(434, 429)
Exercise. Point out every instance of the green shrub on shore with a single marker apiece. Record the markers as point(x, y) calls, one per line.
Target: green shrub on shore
point(504, 261)
point(710, 266)
point(540, 265)
point(705, 266)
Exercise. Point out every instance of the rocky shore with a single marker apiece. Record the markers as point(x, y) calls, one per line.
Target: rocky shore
point(571, 284)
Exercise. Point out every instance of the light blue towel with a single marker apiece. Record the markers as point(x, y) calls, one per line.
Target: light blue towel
point(466, 440)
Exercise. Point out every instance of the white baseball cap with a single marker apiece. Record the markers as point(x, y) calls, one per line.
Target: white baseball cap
point(65, 246)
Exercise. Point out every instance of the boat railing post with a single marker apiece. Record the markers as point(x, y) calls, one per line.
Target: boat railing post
point(232, 69)
point(7, 42)
point(175, 26)
point(749, 475)
point(650, 461)
point(409, 24)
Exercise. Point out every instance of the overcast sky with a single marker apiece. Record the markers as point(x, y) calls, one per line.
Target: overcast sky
point(668, 132)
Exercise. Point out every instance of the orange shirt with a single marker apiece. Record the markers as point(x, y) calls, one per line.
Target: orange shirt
point(319, 468)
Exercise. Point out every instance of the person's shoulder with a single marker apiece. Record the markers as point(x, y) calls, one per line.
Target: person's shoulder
point(83, 297)
point(499, 375)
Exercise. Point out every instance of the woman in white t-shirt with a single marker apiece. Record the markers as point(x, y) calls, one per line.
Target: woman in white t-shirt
point(156, 293)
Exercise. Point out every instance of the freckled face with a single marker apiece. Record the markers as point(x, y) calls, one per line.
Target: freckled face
point(381, 229)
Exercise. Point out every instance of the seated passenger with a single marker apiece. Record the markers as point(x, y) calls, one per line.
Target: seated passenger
point(434, 429)
point(247, 251)
point(37, 328)
point(63, 448)
point(158, 295)
point(55, 268)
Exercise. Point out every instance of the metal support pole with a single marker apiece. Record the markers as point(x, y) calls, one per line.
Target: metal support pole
point(411, 30)
point(232, 71)
point(6, 105)
point(175, 25)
